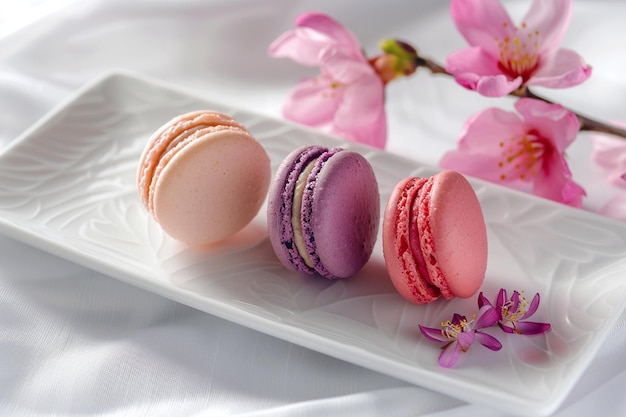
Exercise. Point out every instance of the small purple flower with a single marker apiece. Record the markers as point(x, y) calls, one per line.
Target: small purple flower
point(459, 333)
point(512, 313)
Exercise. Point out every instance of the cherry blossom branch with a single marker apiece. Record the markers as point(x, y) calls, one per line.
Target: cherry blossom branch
point(586, 123)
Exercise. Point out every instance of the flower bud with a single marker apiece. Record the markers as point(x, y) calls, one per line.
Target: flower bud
point(398, 60)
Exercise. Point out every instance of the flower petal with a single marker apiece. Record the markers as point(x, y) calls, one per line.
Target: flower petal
point(610, 153)
point(479, 152)
point(332, 29)
point(361, 116)
point(572, 194)
point(505, 328)
point(291, 45)
point(553, 122)
point(345, 68)
point(551, 19)
point(531, 328)
point(565, 68)
point(483, 301)
point(488, 341)
point(475, 69)
point(433, 334)
point(515, 299)
point(555, 182)
point(313, 102)
point(615, 207)
point(314, 34)
point(449, 355)
point(497, 85)
point(479, 21)
point(302, 45)
point(534, 304)
point(477, 165)
point(502, 299)
point(457, 319)
point(465, 339)
point(487, 317)
point(483, 132)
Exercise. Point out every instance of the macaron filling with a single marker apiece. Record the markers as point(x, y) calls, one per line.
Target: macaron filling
point(288, 239)
point(423, 206)
point(410, 250)
point(416, 245)
point(307, 213)
point(184, 135)
point(296, 213)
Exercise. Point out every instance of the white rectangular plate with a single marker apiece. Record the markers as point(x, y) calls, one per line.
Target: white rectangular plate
point(68, 187)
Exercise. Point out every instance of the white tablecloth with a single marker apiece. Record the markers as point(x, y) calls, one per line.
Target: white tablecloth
point(75, 342)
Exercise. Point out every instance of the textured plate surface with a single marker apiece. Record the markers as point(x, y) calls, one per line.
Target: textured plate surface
point(68, 187)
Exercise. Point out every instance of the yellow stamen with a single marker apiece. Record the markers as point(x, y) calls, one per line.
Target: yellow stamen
point(519, 55)
point(525, 154)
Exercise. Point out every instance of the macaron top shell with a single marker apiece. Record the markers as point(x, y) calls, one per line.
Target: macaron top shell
point(341, 214)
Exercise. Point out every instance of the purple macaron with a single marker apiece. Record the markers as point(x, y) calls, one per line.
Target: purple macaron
point(324, 211)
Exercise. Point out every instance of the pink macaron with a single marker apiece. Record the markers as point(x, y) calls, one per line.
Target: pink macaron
point(203, 177)
point(323, 211)
point(434, 238)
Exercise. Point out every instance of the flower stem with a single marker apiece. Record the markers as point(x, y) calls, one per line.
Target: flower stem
point(431, 65)
point(586, 123)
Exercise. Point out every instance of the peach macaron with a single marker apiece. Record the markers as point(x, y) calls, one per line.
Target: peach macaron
point(203, 177)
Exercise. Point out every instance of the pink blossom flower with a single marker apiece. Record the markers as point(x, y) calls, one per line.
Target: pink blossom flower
point(347, 98)
point(615, 207)
point(502, 57)
point(524, 150)
point(610, 153)
point(513, 312)
point(460, 333)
